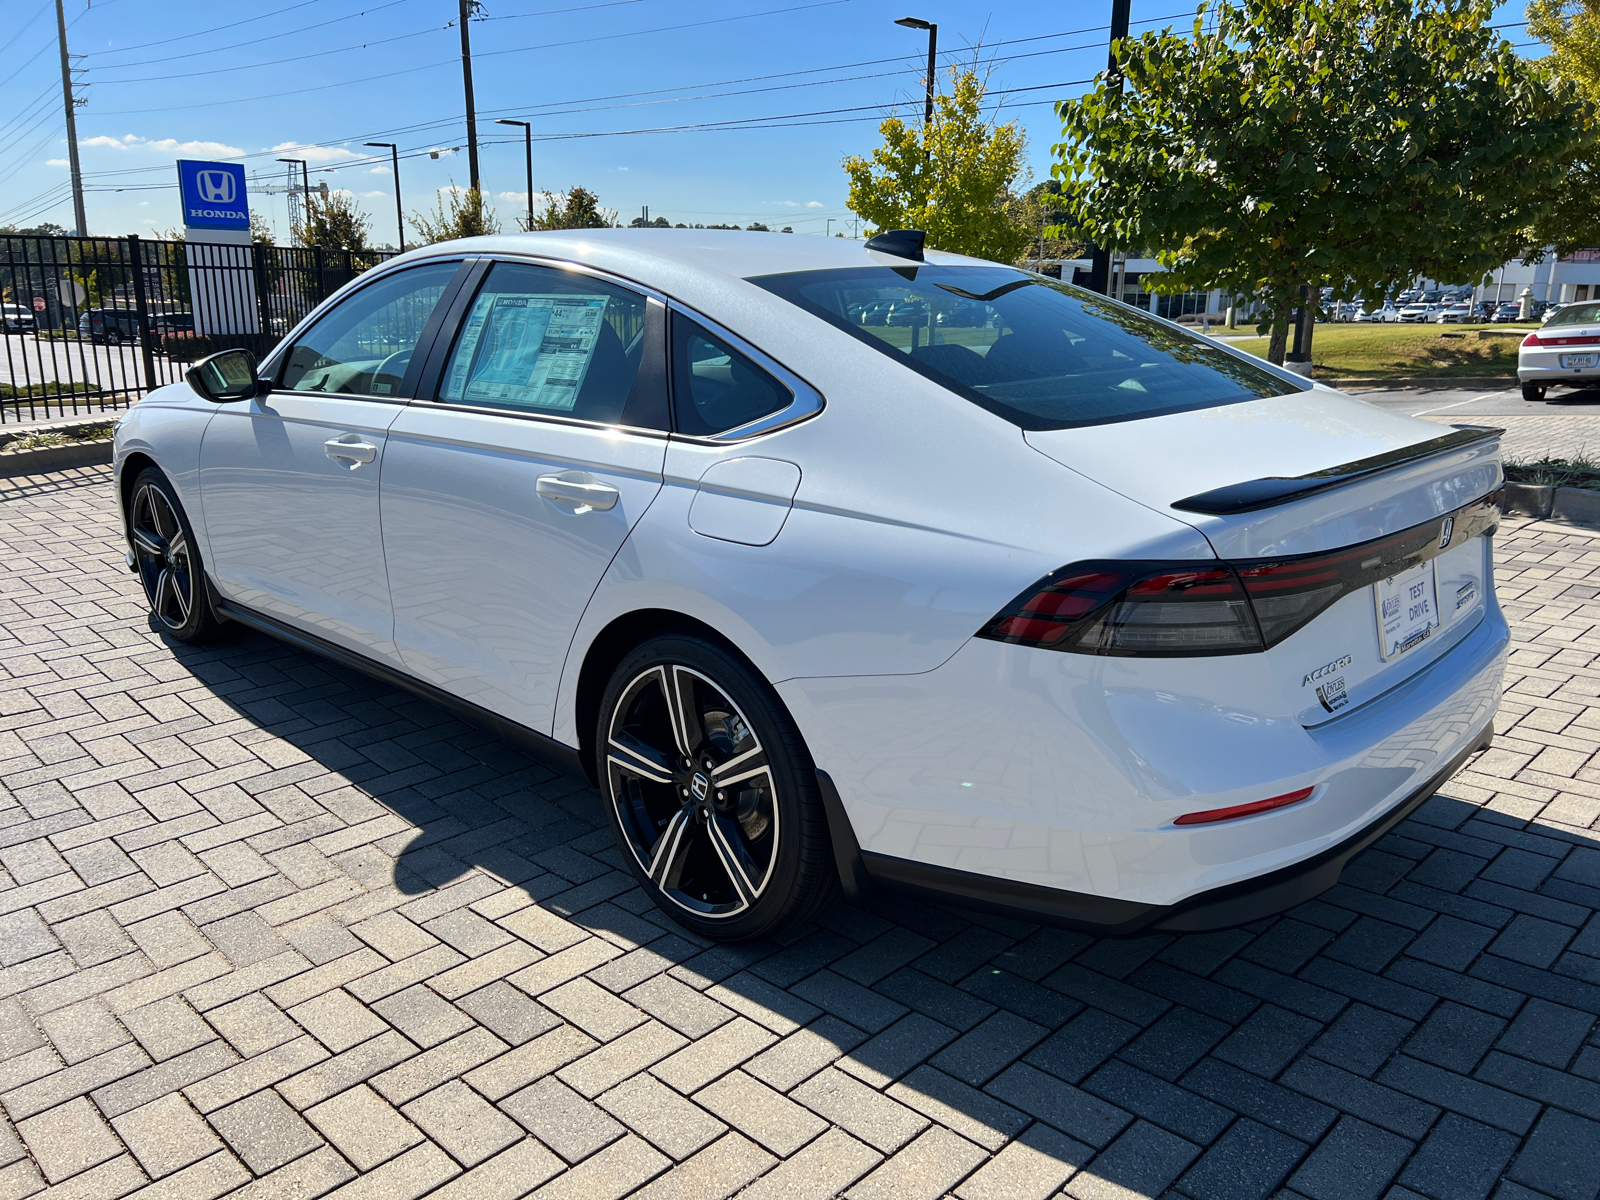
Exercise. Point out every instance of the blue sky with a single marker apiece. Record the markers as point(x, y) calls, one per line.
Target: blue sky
point(608, 85)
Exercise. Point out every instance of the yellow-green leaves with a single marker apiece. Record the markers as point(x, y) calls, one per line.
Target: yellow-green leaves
point(955, 180)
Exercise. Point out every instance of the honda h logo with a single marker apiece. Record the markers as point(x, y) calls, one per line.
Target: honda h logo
point(216, 187)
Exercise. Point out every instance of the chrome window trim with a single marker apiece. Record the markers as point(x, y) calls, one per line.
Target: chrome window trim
point(807, 402)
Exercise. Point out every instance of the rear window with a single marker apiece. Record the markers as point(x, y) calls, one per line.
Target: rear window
point(1576, 314)
point(1040, 353)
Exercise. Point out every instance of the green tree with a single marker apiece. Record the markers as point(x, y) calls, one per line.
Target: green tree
point(334, 222)
point(578, 209)
point(953, 179)
point(1571, 28)
point(459, 213)
point(1289, 144)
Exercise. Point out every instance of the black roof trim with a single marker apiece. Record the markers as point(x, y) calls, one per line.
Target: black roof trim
point(1269, 492)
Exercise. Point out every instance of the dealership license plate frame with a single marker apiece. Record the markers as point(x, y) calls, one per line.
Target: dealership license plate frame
point(1415, 618)
point(1577, 362)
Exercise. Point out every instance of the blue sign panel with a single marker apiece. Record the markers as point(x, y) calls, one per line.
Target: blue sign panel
point(213, 195)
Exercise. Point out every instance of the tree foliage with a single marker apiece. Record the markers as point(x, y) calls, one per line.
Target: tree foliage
point(1571, 28)
point(334, 222)
point(1307, 143)
point(953, 179)
point(578, 209)
point(458, 213)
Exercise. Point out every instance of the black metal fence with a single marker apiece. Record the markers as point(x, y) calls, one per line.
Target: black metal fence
point(91, 324)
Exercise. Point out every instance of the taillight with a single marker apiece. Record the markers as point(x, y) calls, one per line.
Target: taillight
point(1184, 609)
point(1133, 608)
point(1532, 340)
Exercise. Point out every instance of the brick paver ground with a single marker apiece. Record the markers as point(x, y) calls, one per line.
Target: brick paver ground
point(270, 930)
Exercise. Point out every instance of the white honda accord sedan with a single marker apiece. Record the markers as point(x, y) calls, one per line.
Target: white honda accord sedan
point(862, 566)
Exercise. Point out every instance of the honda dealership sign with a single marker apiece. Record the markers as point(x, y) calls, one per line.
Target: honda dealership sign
point(216, 226)
point(213, 195)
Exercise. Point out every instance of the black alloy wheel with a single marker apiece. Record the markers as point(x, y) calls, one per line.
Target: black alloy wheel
point(167, 562)
point(711, 794)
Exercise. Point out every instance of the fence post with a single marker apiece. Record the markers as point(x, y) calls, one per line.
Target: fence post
point(322, 279)
point(141, 308)
point(258, 261)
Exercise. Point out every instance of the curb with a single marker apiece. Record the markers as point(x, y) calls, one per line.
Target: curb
point(55, 458)
point(1440, 381)
point(1578, 505)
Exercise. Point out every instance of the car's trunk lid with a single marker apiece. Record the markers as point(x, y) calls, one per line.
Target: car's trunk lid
point(1337, 660)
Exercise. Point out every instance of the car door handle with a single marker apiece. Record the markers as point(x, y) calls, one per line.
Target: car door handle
point(578, 487)
point(361, 452)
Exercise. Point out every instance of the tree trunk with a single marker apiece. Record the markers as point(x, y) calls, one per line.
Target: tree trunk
point(1309, 318)
point(1279, 342)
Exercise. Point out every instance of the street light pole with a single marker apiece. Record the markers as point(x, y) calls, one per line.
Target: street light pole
point(72, 125)
point(468, 7)
point(399, 213)
point(1100, 264)
point(527, 142)
point(933, 50)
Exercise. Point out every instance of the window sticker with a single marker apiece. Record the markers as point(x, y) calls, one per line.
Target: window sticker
point(526, 349)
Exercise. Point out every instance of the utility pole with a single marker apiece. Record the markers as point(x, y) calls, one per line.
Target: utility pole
point(527, 142)
point(72, 124)
point(468, 7)
point(399, 213)
point(1100, 266)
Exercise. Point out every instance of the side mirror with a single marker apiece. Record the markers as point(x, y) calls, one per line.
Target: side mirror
point(226, 376)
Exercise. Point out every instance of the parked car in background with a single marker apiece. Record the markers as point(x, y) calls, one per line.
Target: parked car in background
point(1564, 350)
point(110, 326)
point(1417, 313)
point(1387, 313)
point(16, 318)
point(164, 323)
point(1454, 314)
point(1551, 310)
point(1078, 614)
point(1506, 313)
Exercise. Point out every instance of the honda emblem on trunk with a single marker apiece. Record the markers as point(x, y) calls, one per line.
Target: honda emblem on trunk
point(1444, 533)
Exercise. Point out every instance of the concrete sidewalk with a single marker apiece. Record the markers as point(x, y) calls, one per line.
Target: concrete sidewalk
point(272, 930)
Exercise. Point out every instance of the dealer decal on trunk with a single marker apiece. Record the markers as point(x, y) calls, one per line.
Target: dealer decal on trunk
point(1330, 691)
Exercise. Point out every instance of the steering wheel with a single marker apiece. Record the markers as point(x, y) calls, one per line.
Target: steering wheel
point(390, 365)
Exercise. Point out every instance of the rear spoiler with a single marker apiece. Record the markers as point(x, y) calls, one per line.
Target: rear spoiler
point(1255, 494)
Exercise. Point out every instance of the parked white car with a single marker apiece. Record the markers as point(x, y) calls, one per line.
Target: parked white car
point(1058, 608)
point(1564, 350)
point(1418, 313)
point(1386, 314)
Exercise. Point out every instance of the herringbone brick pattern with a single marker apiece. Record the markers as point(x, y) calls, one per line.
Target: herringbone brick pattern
point(270, 930)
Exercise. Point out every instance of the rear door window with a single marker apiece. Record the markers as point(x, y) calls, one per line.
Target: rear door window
point(1040, 353)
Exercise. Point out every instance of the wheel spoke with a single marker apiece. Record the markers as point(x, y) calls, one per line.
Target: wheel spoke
point(149, 543)
point(163, 592)
point(725, 840)
point(633, 756)
point(678, 686)
point(158, 509)
point(671, 850)
point(741, 767)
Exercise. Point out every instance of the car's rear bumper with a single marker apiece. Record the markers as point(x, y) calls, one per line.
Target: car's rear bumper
point(1220, 908)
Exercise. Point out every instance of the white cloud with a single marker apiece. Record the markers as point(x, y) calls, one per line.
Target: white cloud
point(375, 195)
point(621, 168)
point(814, 204)
point(132, 141)
point(314, 154)
point(57, 162)
point(518, 198)
point(378, 171)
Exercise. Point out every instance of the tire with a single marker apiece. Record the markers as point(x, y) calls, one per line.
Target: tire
point(113, 339)
point(167, 560)
point(732, 863)
point(1533, 392)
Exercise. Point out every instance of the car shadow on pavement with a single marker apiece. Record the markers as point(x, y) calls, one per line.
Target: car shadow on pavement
point(1429, 1022)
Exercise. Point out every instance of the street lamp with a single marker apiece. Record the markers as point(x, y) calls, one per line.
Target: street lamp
point(828, 228)
point(933, 45)
point(527, 142)
point(394, 159)
point(305, 188)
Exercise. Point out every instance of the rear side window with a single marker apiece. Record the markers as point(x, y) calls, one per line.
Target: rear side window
point(546, 341)
point(1576, 314)
point(714, 387)
point(1037, 352)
